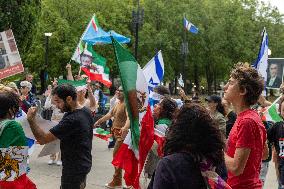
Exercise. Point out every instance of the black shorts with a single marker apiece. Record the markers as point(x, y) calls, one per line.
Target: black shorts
point(73, 181)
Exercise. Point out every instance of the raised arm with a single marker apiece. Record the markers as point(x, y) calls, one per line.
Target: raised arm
point(41, 136)
point(69, 72)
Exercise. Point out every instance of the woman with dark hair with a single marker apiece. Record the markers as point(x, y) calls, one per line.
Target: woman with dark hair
point(163, 114)
point(193, 147)
point(217, 112)
point(13, 144)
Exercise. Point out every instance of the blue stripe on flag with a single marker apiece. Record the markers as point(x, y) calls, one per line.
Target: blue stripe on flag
point(159, 69)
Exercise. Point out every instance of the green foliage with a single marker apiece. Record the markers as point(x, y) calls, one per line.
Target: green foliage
point(229, 31)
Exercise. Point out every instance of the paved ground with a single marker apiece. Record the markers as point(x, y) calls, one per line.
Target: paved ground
point(48, 176)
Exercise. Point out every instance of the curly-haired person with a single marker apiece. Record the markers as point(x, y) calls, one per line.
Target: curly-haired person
point(163, 114)
point(191, 140)
point(247, 139)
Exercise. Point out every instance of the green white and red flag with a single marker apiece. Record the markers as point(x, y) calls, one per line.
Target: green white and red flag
point(102, 134)
point(13, 157)
point(271, 113)
point(132, 154)
point(97, 69)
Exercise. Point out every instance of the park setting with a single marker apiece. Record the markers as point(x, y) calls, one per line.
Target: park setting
point(134, 94)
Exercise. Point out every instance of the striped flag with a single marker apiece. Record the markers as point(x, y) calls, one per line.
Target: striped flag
point(189, 26)
point(271, 113)
point(102, 134)
point(262, 59)
point(133, 152)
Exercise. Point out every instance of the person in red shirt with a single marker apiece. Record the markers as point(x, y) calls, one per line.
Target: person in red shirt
point(246, 145)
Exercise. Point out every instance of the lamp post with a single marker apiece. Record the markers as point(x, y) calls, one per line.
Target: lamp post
point(44, 71)
point(184, 52)
point(137, 20)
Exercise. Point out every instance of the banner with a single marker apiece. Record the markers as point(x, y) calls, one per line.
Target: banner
point(10, 60)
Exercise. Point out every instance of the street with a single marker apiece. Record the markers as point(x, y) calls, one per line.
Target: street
point(48, 176)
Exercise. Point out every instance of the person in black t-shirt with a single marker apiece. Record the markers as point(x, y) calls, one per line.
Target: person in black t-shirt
point(75, 132)
point(276, 136)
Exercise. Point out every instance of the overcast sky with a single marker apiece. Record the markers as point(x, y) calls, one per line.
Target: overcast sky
point(278, 3)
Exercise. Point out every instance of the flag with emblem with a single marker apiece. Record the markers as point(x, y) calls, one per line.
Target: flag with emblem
point(133, 152)
point(13, 156)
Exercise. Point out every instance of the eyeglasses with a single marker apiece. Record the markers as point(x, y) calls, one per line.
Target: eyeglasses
point(22, 87)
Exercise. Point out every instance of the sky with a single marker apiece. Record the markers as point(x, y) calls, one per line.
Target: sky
point(278, 3)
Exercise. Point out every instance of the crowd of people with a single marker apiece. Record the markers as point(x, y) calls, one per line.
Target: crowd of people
point(222, 143)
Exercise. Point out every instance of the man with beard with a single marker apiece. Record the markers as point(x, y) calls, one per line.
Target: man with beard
point(75, 132)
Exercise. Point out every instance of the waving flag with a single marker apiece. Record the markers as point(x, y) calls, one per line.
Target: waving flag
point(93, 64)
point(94, 34)
point(136, 145)
point(262, 59)
point(102, 134)
point(154, 73)
point(189, 26)
point(271, 113)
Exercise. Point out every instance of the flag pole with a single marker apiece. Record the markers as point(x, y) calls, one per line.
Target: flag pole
point(184, 52)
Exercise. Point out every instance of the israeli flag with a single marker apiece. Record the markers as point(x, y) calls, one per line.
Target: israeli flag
point(154, 74)
point(189, 26)
point(154, 71)
point(262, 59)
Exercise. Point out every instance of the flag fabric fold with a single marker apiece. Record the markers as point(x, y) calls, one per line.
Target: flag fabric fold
point(262, 58)
point(271, 114)
point(154, 73)
point(132, 153)
point(94, 34)
point(79, 85)
point(189, 26)
point(13, 158)
point(102, 134)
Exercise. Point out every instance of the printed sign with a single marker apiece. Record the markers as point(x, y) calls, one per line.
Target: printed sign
point(10, 60)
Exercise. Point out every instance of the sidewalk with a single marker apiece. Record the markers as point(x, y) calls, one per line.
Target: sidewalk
point(48, 176)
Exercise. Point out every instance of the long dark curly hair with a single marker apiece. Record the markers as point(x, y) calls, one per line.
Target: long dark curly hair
point(194, 131)
point(168, 108)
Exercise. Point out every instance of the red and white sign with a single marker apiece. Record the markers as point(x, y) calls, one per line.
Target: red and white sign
point(10, 60)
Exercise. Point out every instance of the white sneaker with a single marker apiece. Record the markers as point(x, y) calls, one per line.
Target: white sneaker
point(50, 162)
point(59, 163)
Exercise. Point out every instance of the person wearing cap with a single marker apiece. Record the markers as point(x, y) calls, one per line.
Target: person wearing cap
point(26, 97)
point(247, 140)
point(217, 112)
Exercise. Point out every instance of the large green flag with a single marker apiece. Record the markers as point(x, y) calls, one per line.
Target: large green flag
point(134, 87)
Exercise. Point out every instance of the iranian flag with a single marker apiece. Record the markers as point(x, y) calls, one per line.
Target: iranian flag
point(13, 157)
point(79, 85)
point(139, 140)
point(93, 64)
point(102, 134)
point(271, 113)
